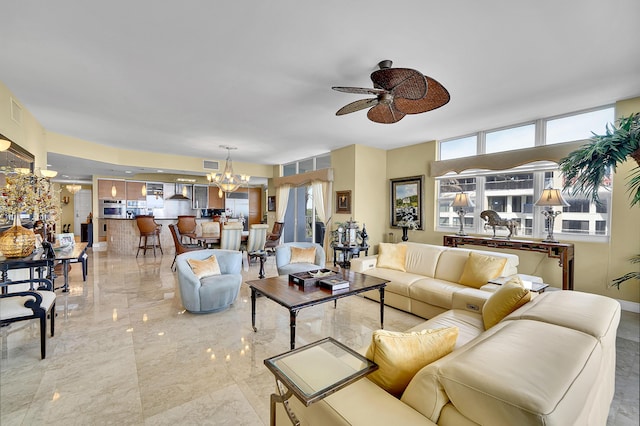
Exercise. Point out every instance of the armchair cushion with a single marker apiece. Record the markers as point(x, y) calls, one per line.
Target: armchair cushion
point(284, 254)
point(205, 268)
point(303, 255)
point(400, 355)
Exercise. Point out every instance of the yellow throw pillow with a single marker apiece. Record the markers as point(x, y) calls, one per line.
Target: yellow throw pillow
point(480, 268)
point(401, 355)
point(205, 268)
point(509, 297)
point(303, 255)
point(392, 256)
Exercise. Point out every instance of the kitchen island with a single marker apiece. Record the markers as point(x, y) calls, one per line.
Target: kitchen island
point(123, 234)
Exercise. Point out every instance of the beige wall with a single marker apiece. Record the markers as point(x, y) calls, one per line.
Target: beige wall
point(366, 172)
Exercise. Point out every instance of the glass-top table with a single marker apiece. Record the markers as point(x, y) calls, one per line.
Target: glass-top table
point(314, 371)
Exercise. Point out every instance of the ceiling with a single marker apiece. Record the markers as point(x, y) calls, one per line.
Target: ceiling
point(186, 77)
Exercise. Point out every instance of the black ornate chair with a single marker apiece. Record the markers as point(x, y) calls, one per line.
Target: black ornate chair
point(25, 304)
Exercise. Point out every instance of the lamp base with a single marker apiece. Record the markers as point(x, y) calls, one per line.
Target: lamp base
point(550, 216)
point(461, 214)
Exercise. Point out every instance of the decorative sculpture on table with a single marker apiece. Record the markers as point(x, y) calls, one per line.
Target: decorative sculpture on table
point(494, 220)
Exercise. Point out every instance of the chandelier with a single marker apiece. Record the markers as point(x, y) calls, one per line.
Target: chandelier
point(227, 181)
point(73, 188)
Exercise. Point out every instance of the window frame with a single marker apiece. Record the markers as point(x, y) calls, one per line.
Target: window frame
point(539, 169)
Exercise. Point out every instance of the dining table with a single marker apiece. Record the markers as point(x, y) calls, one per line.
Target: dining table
point(210, 240)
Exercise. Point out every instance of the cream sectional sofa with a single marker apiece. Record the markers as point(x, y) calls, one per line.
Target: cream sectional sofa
point(550, 362)
point(430, 280)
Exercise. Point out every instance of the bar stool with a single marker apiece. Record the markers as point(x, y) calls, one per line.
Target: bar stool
point(148, 228)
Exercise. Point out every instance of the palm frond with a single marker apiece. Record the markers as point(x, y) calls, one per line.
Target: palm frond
point(586, 168)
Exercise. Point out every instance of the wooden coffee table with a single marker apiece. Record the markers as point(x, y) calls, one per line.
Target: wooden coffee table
point(294, 298)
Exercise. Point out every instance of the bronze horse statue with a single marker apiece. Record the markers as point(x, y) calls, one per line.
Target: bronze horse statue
point(494, 220)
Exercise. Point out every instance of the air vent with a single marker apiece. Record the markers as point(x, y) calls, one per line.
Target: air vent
point(211, 165)
point(16, 111)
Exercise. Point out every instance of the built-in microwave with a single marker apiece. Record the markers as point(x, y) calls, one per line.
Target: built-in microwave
point(113, 209)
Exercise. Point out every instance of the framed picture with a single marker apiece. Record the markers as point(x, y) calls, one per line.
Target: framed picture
point(343, 202)
point(271, 203)
point(406, 201)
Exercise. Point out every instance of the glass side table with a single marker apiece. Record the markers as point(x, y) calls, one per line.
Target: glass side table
point(313, 372)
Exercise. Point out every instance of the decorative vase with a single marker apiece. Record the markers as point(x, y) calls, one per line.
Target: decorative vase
point(405, 236)
point(17, 241)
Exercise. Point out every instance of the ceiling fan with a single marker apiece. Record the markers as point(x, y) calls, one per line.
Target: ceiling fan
point(398, 91)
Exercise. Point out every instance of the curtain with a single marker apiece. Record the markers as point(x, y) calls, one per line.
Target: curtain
point(322, 201)
point(282, 199)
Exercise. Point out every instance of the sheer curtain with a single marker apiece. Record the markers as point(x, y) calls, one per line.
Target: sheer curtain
point(322, 202)
point(282, 200)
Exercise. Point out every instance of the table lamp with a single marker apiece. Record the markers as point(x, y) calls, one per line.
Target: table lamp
point(550, 198)
point(461, 201)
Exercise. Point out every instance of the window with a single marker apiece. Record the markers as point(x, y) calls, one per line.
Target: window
point(578, 127)
point(457, 148)
point(300, 217)
point(511, 138)
point(513, 193)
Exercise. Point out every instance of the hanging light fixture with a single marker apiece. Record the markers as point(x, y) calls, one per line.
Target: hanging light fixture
point(114, 191)
point(48, 173)
point(227, 181)
point(144, 189)
point(73, 188)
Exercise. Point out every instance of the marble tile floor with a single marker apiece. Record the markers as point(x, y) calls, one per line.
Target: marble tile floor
point(125, 352)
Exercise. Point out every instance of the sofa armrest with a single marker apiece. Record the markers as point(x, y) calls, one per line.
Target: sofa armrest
point(470, 299)
point(361, 264)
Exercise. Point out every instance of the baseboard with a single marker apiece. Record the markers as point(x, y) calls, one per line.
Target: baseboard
point(629, 306)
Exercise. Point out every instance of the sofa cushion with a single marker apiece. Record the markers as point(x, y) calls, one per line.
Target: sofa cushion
point(435, 292)
point(480, 268)
point(392, 256)
point(400, 355)
point(204, 268)
point(523, 372)
point(399, 282)
point(303, 254)
point(509, 297)
point(422, 259)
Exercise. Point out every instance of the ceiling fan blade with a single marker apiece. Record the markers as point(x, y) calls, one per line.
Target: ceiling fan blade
point(437, 96)
point(360, 90)
point(357, 106)
point(402, 82)
point(385, 114)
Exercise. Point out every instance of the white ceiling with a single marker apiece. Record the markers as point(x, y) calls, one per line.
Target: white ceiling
point(185, 77)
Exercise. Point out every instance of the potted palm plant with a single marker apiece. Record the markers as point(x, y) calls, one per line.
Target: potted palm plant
point(586, 168)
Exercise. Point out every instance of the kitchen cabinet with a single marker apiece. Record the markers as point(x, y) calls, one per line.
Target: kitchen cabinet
point(215, 202)
point(255, 205)
point(200, 199)
point(105, 189)
point(135, 191)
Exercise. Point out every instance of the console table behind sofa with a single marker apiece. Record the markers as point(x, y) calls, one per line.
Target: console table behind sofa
point(562, 251)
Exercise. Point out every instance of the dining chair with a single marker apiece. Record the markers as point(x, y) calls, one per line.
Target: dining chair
point(212, 228)
point(180, 246)
point(255, 242)
point(187, 227)
point(28, 303)
point(231, 236)
point(273, 237)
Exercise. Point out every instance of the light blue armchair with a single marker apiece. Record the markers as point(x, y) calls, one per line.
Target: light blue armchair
point(214, 293)
point(283, 258)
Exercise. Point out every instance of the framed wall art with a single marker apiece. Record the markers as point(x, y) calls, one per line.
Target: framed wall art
point(406, 202)
point(343, 202)
point(271, 203)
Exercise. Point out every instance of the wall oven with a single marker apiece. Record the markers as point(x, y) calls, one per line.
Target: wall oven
point(113, 209)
